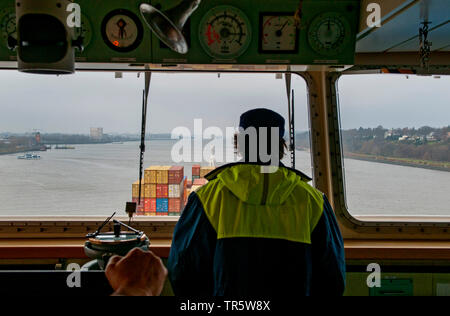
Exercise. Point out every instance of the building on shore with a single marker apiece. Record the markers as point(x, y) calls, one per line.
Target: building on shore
point(96, 133)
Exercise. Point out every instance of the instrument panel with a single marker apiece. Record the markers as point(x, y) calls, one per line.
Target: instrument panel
point(329, 33)
point(8, 22)
point(225, 32)
point(7, 25)
point(239, 32)
point(85, 30)
point(122, 30)
point(278, 33)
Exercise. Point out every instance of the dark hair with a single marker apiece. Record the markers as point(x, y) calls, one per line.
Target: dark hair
point(281, 148)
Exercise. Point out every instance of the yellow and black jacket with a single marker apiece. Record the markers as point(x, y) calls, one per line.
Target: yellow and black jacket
point(248, 233)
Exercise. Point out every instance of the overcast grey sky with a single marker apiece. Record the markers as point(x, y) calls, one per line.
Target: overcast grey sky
point(73, 104)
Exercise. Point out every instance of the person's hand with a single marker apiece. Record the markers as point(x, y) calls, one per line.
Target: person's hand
point(139, 273)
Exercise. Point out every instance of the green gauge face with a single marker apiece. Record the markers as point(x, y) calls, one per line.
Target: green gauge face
point(329, 33)
point(85, 31)
point(8, 24)
point(225, 32)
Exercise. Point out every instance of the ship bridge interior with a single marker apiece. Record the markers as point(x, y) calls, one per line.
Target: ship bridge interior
point(328, 42)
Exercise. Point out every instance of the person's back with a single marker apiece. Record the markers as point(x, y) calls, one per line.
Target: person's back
point(250, 232)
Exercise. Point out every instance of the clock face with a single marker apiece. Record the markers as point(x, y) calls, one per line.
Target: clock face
point(8, 24)
point(329, 33)
point(122, 30)
point(225, 32)
point(278, 33)
point(85, 31)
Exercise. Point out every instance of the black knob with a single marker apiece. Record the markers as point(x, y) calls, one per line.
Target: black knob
point(78, 43)
point(117, 229)
point(12, 43)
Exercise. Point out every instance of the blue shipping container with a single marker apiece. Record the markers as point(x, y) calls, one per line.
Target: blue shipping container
point(162, 205)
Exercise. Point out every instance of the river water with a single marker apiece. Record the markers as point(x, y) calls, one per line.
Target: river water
point(96, 180)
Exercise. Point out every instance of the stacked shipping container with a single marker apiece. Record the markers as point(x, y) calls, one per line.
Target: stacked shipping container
point(165, 189)
point(176, 182)
point(157, 179)
point(151, 185)
point(205, 170)
point(135, 196)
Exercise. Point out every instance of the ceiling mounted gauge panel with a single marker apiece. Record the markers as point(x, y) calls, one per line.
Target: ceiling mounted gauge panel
point(329, 33)
point(85, 31)
point(278, 33)
point(225, 32)
point(8, 25)
point(122, 30)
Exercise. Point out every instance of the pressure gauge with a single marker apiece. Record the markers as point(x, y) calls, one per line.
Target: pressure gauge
point(278, 33)
point(329, 33)
point(122, 30)
point(8, 24)
point(225, 32)
point(85, 31)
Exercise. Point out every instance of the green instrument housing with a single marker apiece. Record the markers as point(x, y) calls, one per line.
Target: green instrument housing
point(150, 50)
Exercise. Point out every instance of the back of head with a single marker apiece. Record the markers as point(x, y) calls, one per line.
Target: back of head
point(260, 137)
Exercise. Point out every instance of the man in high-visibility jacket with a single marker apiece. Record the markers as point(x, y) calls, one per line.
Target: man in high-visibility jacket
point(250, 233)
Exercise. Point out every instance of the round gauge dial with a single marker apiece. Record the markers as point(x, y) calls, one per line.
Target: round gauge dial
point(329, 33)
point(85, 31)
point(122, 30)
point(8, 24)
point(225, 32)
point(278, 34)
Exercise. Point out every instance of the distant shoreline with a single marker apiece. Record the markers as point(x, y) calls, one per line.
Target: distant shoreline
point(38, 148)
point(424, 164)
point(20, 151)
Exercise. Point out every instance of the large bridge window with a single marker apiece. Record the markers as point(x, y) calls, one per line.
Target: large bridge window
point(69, 145)
point(396, 145)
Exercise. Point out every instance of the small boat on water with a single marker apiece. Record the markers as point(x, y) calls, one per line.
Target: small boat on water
point(29, 157)
point(64, 147)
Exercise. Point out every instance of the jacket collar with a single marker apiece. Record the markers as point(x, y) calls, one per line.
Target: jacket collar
point(213, 174)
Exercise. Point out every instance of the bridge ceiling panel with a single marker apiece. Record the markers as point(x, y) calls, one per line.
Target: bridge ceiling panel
point(439, 37)
point(401, 32)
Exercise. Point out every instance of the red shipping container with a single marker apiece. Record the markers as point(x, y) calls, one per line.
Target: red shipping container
point(176, 174)
point(174, 205)
point(200, 181)
point(139, 208)
point(162, 190)
point(150, 205)
point(196, 170)
point(146, 205)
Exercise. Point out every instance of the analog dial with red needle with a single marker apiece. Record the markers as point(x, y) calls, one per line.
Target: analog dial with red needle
point(278, 33)
point(225, 32)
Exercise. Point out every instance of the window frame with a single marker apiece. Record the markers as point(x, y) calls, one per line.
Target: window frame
point(411, 227)
point(156, 227)
point(162, 227)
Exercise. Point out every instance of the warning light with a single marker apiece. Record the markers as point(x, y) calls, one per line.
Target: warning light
point(116, 43)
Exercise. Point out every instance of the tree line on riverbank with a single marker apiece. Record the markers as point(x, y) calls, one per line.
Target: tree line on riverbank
point(84, 139)
point(10, 144)
point(425, 143)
